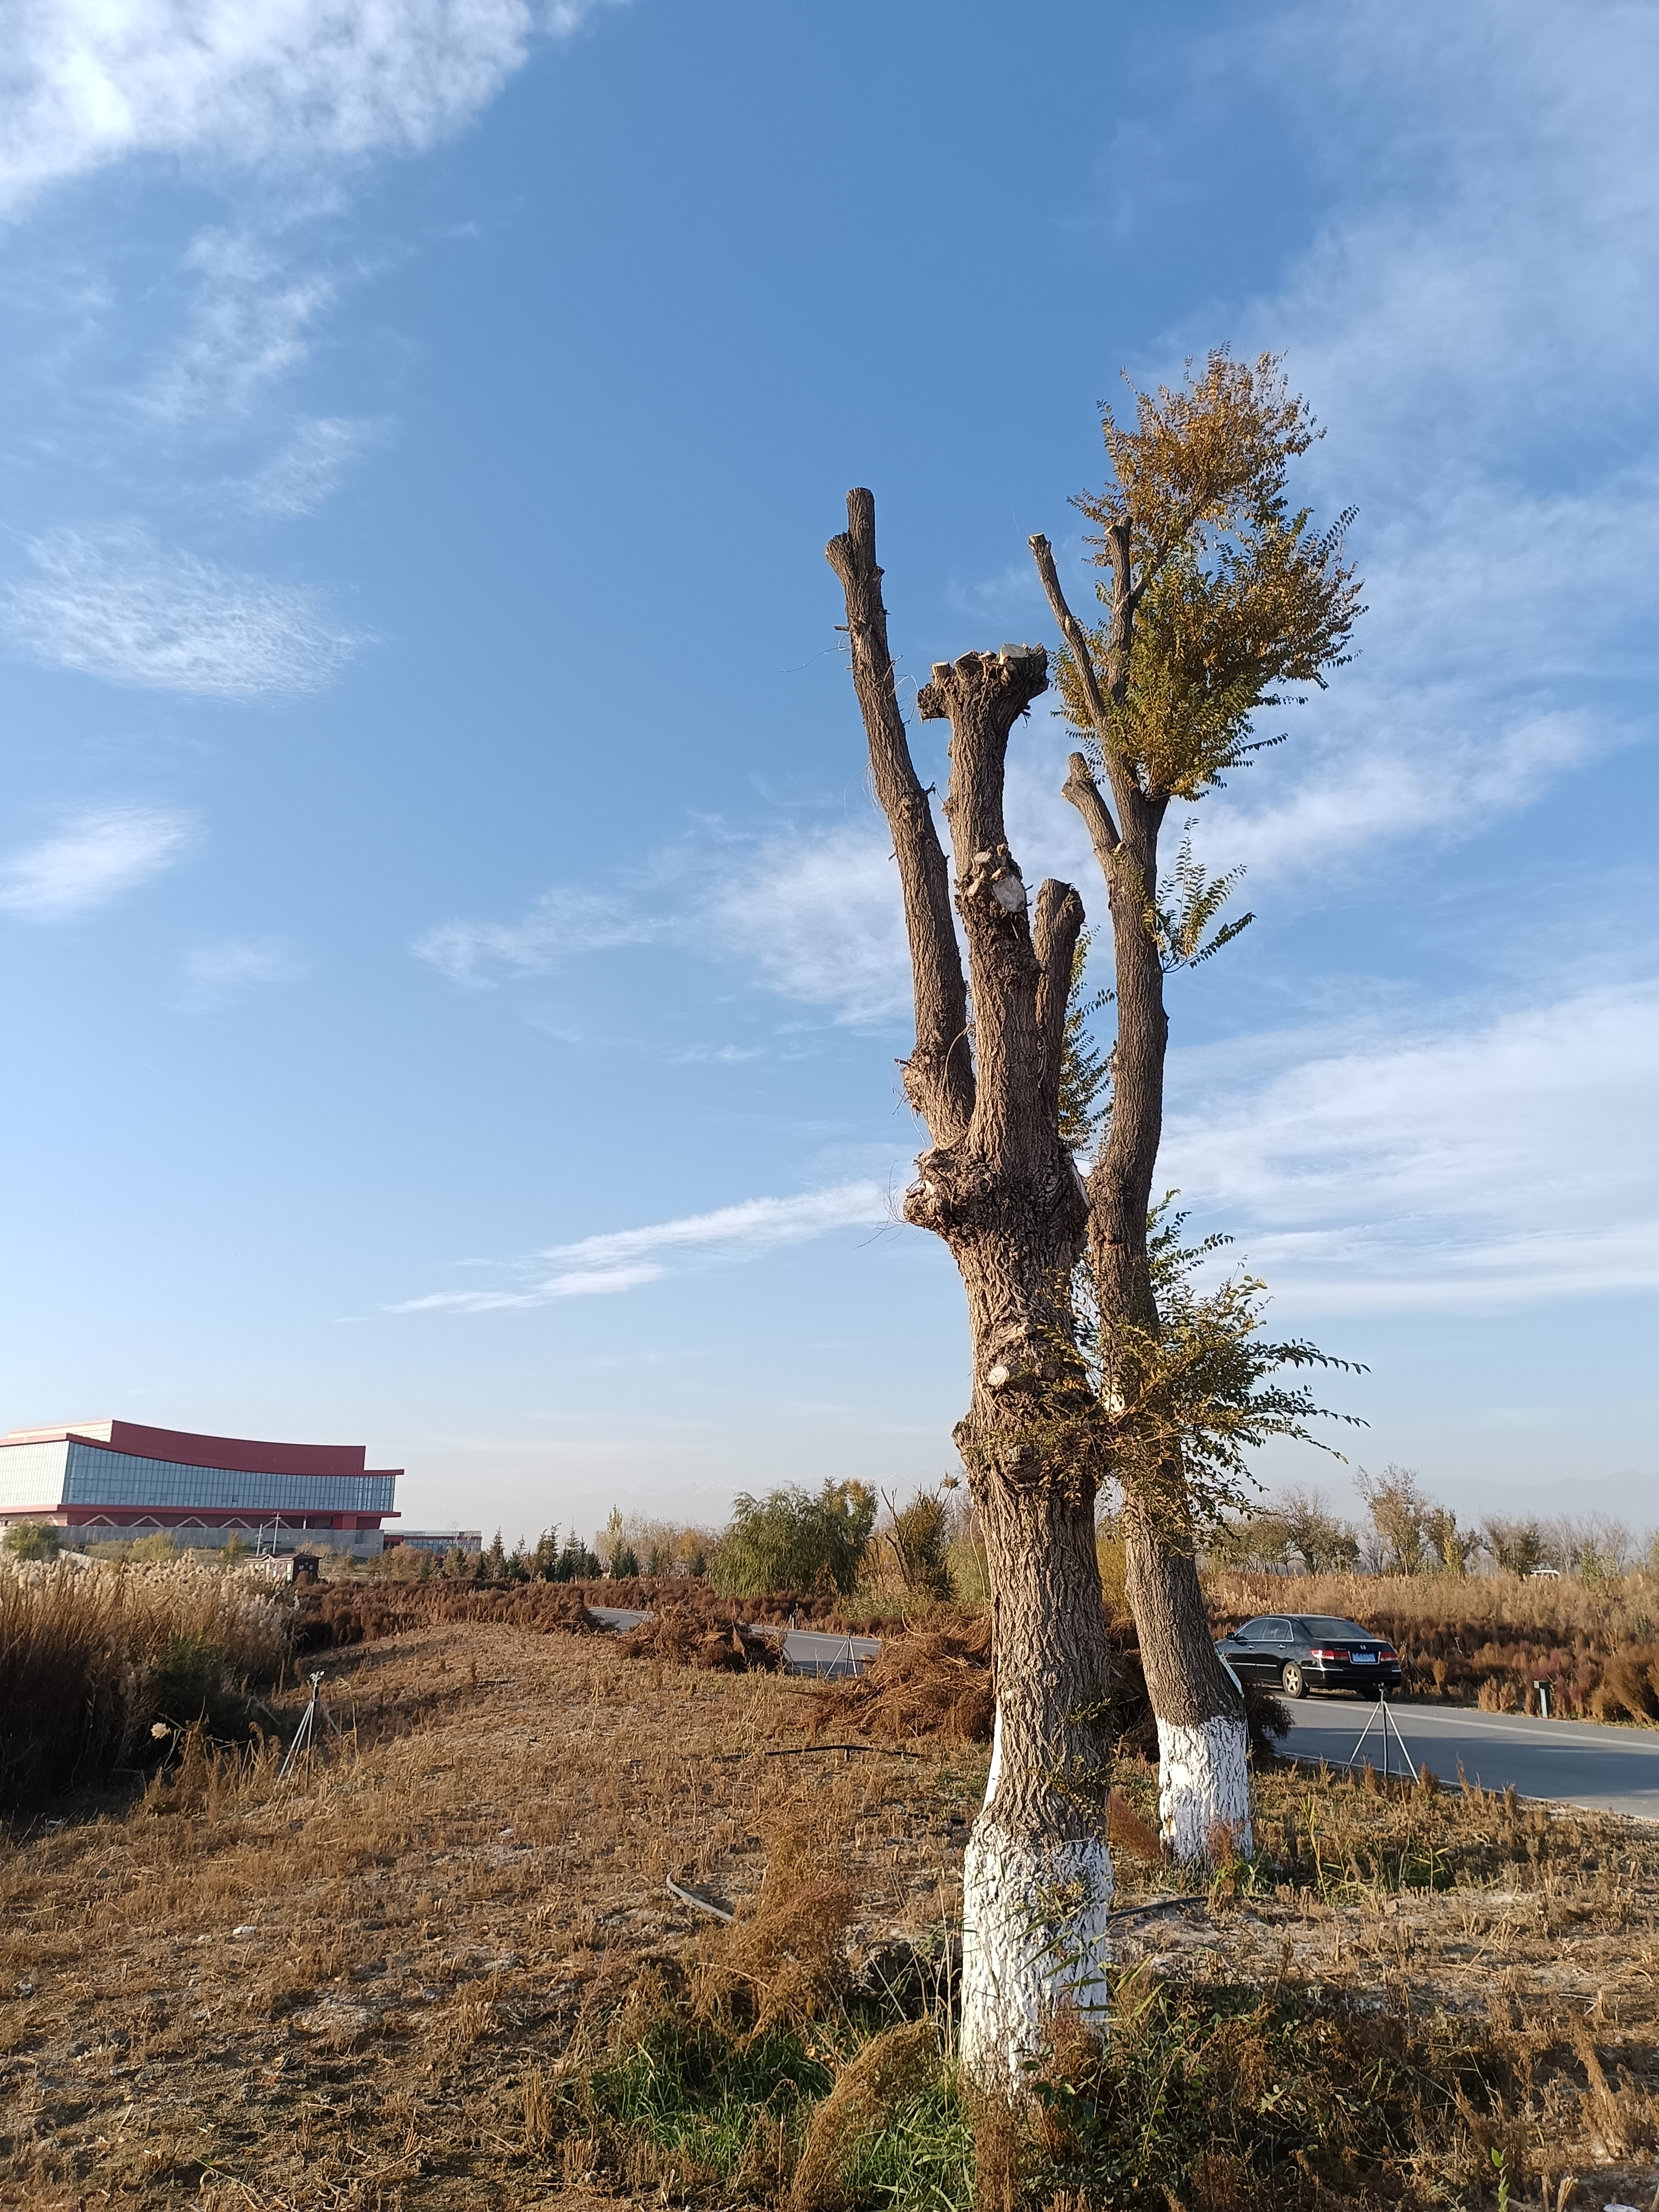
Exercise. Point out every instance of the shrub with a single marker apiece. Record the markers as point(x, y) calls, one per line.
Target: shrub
point(912, 1550)
point(790, 1539)
point(34, 1540)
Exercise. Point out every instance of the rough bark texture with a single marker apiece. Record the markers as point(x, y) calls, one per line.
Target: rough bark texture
point(999, 1186)
point(1189, 1687)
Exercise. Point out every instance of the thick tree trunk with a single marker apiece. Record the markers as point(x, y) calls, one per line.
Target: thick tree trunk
point(1000, 1188)
point(1204, 1783)
point(1037, 1878)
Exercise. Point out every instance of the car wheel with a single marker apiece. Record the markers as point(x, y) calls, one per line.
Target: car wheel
point(1294, 1686)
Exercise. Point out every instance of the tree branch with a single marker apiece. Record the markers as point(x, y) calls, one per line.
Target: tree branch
point(1077, 642)
point(1057, 925)
point(938, 1076)
point(1125, 599)
point(983, 695)
point(1084, 793)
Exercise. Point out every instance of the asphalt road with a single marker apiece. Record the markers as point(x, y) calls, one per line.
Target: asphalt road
point(1615, 1770)
point(806, 1651)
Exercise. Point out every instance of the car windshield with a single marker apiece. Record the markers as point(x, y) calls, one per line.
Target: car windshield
point(1339, 1630)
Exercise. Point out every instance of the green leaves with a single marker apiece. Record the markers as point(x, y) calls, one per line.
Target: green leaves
point(1187, 902)
point(1185, 1401)
point(1085, 1064)
point(790, 1539)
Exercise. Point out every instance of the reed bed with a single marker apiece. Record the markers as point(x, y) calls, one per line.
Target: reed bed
point(94, 1658)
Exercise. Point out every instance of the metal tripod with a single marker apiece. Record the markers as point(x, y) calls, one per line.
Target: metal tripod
point(1385, 1713)
point(305, 1737)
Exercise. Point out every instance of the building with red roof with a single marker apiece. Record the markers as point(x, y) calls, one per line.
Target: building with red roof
point(110, 1481)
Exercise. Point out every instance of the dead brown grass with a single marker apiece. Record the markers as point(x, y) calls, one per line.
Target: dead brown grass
point(935, 1682)
point(475, 1880)
point(468, 1901)
point(685, 1640)
point(888, 2067)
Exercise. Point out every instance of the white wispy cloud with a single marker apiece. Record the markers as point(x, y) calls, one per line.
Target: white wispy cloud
point(216, 975)
point(816, 914)
point(812, 912)
point(93, 859)
point(561, 926)
point(308, 469)
point(625, 1259)
point(1491, 1164)
point(249, 82)
point(250, 325)
point(112, 602)
point(1477, 324)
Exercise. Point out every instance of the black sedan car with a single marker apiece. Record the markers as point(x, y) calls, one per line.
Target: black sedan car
point(1296, 1652)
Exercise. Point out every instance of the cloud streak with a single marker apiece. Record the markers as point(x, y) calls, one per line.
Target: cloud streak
point(217, 975)
point(94, 858)
point(252, 326)
point(813, 913)
point(307, 470)
point(627, 1259)
point(1471, 1168)
point(112, 602)
point(270, 83)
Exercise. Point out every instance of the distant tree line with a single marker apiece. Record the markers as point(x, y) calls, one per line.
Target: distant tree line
point(1404, 1531)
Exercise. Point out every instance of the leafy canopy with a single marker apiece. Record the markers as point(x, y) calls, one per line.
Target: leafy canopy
point(1218, 592)
point(1197, 1392)
point(790, 1539)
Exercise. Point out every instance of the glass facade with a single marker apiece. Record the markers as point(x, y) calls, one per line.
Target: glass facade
point(32, 1475)
point(39, 1475)
point(97, 1477)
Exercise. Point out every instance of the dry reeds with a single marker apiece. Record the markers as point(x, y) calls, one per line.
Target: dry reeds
point(786, 1964)
point(683, 1639)
point(930, 1682)
point(92, 1658)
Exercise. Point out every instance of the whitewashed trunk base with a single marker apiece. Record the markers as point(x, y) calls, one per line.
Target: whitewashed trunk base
point(1033, 1942)
point(1204, 1787)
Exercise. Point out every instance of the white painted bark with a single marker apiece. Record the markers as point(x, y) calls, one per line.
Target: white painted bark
point(1204, 1785)
point(1034, 1939)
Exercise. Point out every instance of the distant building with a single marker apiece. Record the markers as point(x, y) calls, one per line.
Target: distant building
point(108, 1482)
point(443, 1541)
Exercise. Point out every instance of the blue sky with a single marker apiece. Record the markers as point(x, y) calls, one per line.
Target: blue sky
point(450, 963)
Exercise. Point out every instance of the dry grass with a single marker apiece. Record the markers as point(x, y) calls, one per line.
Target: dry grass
point(440, 1917)
point(466, 1984)
point(92, 1658)
point(934, 1681)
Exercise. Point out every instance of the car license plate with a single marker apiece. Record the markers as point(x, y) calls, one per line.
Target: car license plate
point(1364, 1658)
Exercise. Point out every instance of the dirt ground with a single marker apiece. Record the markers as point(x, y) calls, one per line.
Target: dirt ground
point(346, 1991)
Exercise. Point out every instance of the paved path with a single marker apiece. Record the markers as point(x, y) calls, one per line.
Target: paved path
point(806, 1651)
point(1577, 1762)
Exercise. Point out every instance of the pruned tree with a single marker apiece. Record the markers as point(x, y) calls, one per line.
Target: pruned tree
point(999, 1186)
point(1216, 594)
